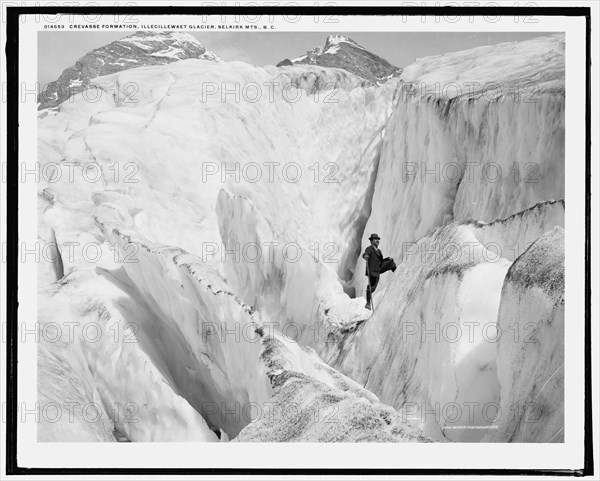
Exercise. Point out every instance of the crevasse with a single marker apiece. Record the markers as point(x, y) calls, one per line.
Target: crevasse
point(194, 241)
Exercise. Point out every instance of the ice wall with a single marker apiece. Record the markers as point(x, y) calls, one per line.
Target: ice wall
point(471, 137)
point(300, 294)
point(192, 360)
point(468, 179)
point(431, 349)
point(531, 351)
point(96, 356)
point(512, 236)
point(204, 334)
point(430, 345)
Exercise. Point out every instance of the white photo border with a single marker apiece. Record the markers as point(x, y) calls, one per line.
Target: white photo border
point(563, 456)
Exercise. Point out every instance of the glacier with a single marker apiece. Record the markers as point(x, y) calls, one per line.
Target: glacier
point(205, 222)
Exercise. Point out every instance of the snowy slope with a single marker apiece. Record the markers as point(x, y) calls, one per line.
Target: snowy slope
point(317, 404)
point(229, 204)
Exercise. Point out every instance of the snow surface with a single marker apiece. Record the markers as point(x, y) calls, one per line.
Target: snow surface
point(317, 404)
point(335, 40)
point(332, 49)
point(530, 68)
point(198, 171)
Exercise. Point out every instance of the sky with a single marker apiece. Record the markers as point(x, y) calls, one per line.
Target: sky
point(59, 50)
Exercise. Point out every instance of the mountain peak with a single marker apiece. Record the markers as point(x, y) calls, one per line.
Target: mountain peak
point(140, 49)
point(333, 40)
point(342, 52)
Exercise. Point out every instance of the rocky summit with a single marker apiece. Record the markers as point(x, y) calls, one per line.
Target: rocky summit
point(343, 52)
point(137, 50)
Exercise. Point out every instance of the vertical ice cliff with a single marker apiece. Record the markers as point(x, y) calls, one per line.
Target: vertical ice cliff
point(470, 175)
point(431, 347)
point(102, 368)
point(216, 220)
point(476, 135)
point(531, 363)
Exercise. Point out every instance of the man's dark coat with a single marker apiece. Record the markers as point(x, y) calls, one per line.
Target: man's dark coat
point(374, 261)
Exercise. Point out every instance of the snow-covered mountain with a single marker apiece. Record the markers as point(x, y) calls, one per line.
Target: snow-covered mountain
point(140, 49)
point(216, 241)
point(342, 52)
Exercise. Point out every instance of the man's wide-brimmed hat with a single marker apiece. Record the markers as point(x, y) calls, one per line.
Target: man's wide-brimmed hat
point(374, 236)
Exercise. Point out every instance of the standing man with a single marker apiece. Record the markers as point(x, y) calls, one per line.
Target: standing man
point(376, 265)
